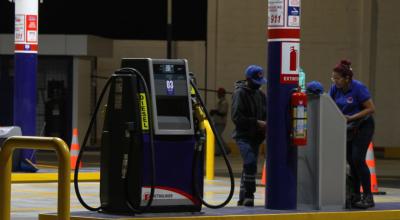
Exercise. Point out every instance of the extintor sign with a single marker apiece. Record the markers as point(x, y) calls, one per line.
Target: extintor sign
point(290, 53)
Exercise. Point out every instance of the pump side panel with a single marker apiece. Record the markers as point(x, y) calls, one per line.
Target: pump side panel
point(174, 174)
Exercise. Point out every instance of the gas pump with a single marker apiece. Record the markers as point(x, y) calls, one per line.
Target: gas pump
point(151, 149)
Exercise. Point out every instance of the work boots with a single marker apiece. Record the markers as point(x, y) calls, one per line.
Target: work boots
point(249, 202)
point(367, 201)
point(355, 197)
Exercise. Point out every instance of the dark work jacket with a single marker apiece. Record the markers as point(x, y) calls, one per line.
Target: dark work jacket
point(248, 106)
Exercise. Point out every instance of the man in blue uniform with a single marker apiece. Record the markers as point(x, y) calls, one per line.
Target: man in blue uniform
point(249, 116)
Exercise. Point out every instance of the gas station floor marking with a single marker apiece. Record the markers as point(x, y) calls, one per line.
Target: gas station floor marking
point(250, 215)
point(51, 177)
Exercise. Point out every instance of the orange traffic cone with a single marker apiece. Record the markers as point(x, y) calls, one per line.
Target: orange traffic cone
point(264, 175)
point(75, 149)
point(370, 160)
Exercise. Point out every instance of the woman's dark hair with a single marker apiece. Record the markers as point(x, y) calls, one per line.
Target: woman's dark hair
point(344, 69)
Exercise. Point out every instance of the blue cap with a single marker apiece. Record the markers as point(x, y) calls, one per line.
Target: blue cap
point(256, 74)
point(315, 87)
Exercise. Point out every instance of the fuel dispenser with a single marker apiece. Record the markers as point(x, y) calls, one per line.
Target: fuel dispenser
point(152, 141)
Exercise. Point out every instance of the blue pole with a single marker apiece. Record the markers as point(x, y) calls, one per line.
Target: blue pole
point(283, 67)
point(26, 47)
point(281, 156)
point(25, 97)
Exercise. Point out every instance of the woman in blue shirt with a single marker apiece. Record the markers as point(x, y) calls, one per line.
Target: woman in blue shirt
point(354, 100)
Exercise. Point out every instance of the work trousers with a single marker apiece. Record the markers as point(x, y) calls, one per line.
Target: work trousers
point(356, 152)
point(249, 152)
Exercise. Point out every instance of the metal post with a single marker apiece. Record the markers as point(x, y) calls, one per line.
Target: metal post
point(210, 141)
point(63, 171)
point(283, 68)
point(26, 48)
point(169, 29)
point(210, 150)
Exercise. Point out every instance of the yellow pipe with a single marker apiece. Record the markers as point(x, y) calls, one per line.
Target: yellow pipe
point(210, 142)
point(39, 143)
point(210, 149)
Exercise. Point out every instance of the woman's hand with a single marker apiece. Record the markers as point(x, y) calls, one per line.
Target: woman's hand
point(349, 118)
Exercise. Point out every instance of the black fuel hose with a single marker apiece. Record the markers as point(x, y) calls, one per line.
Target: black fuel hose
point(152, 164)
point(83, 146)
point(200, 151)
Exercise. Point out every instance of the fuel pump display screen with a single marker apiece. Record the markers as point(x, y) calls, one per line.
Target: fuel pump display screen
point(171, 93)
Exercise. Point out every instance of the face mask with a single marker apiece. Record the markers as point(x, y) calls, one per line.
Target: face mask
point(253, 85)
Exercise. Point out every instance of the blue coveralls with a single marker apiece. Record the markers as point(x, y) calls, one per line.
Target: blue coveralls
point(350, 103)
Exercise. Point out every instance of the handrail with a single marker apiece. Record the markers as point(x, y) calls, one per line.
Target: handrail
point(39, 143)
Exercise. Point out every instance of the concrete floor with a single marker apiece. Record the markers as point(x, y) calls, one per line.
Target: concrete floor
point(28, 200)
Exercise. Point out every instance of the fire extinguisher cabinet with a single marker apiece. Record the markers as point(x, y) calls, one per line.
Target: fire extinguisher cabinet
point(321, 179)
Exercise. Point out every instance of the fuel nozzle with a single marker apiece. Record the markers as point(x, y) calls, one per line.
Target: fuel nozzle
point(124, 169)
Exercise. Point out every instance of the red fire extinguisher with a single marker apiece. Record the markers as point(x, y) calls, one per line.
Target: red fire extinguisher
point(299, 118)
point(293, 59)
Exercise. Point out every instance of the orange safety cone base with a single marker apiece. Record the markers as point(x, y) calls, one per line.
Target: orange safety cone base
point(370, 160)
point(264, 175)
point(75, 149)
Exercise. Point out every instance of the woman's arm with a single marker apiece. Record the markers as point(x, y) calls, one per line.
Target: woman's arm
point(369, 108)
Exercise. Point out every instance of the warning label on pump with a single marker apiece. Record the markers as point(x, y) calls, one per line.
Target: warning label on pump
point(290, 62)
point(143, 112)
